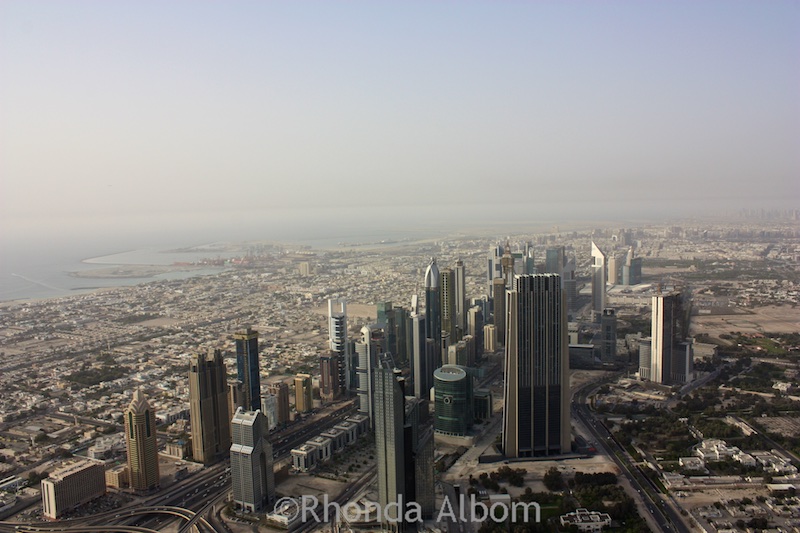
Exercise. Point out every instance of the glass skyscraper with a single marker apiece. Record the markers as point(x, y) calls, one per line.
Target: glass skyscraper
point(247, 367)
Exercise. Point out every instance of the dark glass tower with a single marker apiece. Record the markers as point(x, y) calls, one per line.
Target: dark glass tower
point(536, 413)
point(433, 311)
point(247, 367)
point(208, 407)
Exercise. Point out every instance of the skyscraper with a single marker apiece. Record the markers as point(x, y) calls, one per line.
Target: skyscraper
point(508, 266)
point(460, 284)
point(494, 267)
point(475, 329)
point(608, 335)
point(386, 320)
point(338, 343)
point(142, 444)
point(252, 473)
point(598, 281)
point(303, 394)
point(613, 269)
point(499, 310)
point(447, 295)
point(554, 260)
point(536, 413)
point(421, 358)
point(329, 376)
point(247, 366)
point(208, 407)
point(371, 345)
point(668, 331)
point(389, 439)
point(433, 311)
point(281, 391)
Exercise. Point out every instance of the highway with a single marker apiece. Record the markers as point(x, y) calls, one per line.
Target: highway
point(664, 515)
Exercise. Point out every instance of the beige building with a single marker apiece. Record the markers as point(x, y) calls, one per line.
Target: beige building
point(117, 477)
point(72, 485)
point(142, 444)
point(303, 388)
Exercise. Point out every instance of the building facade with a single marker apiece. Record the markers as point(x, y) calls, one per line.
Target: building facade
point(77, 482)
point(536, 413)
point(252, 473)
point(453, 393)
point(208, 407)
point(142, 444)
point(247, 366)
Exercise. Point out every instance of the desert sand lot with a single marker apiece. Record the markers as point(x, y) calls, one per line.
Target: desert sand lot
point(772, 319)
point(353, 310)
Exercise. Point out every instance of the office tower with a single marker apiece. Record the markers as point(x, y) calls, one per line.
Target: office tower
point(433, 311)
point(418, 463)
point(142, 444)
point(475, 329)
point(570, 284)
point(403, 335)
point(236, 397)
point(252, 476)
point(489, 338)
point(636, 271)
point(421, 358)
point(507, 262)
point(389, 440)
point(386, 320)
point(668, 330)
point(329, 376)
point(612, 269)
point(303, 396)
point(645, 359)
point(338, 343)
point(453, 400)
point(447, 295)
point(269, 408)
point(460, 284)
point(683, 363)
point(281, 391)
point(77, 482)
point(371, 345)
point(526, 260)
point(598, 281)
point(495, 267)
point(499, 312)
point(208, 407)
point(536, 413)
point(554, 260)
point(247, 366)
point(608, 335)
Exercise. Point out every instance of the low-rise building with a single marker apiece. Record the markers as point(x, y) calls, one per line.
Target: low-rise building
point(586, 520)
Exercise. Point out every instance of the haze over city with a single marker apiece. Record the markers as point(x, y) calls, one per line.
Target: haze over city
point(124, 117)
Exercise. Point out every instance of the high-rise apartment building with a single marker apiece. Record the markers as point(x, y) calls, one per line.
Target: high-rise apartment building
point(303, 395)
point(421, 357)
point(536, 413)
point(339, 344)
point(141, 443)
point(598, 281)
point(645, 359)
point(269, 408)
point(386, 320)
point(475, 329)
point(554, 260)
point(252, 473)
point(208, 407)
point(247, 366)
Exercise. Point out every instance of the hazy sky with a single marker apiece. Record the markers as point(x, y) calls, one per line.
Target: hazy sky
point(153, 109)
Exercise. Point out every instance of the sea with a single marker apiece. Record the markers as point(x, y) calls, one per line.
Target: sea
point(39, 264)
point(38, 257)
